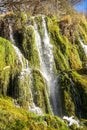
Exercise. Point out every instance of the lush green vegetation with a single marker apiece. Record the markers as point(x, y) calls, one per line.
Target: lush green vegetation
point(41, 96)
point(29, 47)
point(74, 90)
point(22, 90)
point(60, 49)
point(66, 54)
point(18, 118)
point(70, 62)
point(38, 20)
point(8, 69)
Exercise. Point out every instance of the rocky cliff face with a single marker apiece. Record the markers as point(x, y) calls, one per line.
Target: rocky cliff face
point(43, 68)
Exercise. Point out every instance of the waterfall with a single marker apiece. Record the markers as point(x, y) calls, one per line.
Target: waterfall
point(56, 97)
point(84, 46)
point(76, 98)
point(45, 52)
point(44, 48)
point(26, 71)
point(22, 60)
point(48, 54)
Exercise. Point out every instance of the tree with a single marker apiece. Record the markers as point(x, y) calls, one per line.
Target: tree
point(74, 2)
point(36, 6)
point(17, 4)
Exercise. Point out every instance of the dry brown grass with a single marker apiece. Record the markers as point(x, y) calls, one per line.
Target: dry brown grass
point(7, 14)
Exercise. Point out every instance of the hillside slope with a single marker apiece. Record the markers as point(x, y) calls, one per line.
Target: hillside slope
point(43, 68)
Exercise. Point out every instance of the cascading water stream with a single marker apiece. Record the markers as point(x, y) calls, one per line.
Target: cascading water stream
point(40, 52)
point(45, 52)
point(76, 99)
point(25, 71)
point(84, 46)
point(56, 97)
point(48, 54)
point(44, 48)
point(18, 52)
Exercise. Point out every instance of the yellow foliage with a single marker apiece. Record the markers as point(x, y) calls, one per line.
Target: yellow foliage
point(67, 19)
point(7, 14)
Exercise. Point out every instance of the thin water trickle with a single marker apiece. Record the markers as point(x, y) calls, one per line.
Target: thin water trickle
point(56, 97)
point(76, 99)
point(18, 52)
point(84, 46)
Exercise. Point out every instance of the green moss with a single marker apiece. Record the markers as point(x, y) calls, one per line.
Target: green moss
point(74, 93)
point(20, 19)
point(7, 54)
point(66, 87)
point(60, 61)
point(29, 47)
point(40, 92)
point(60, 41)
point(74, 58)
point(60, 45)
point(83, 29)
point(80, 81)
point(81, 53)
point(55, 123)
point(7, 64)
point(77, 57)
point(23, 17)
point(17, 119)
point(21, 89)
point(66, 54)
point(38, 20)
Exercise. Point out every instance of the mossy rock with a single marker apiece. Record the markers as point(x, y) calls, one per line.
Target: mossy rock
point(65, 85)
point(83, 28)
point(38, 19)
point(81, 86)
point(41, 96)
point(18, 118)
point(74, 58)
point(74, 90)
point(71, 55)
point(81, 53)
point(7, 65)
point(60, 45)
point(29, 47)
point(22, 90)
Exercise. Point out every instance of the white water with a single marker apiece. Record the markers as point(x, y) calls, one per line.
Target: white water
point(76, 99)
point(18, 52)
point(35, 110)
point(44, 48)
point(40, 52)
point(84, 46)
point(48, 54)
point(45, 52)
point(25, 71)
point(71, 121)
point(56, 97)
